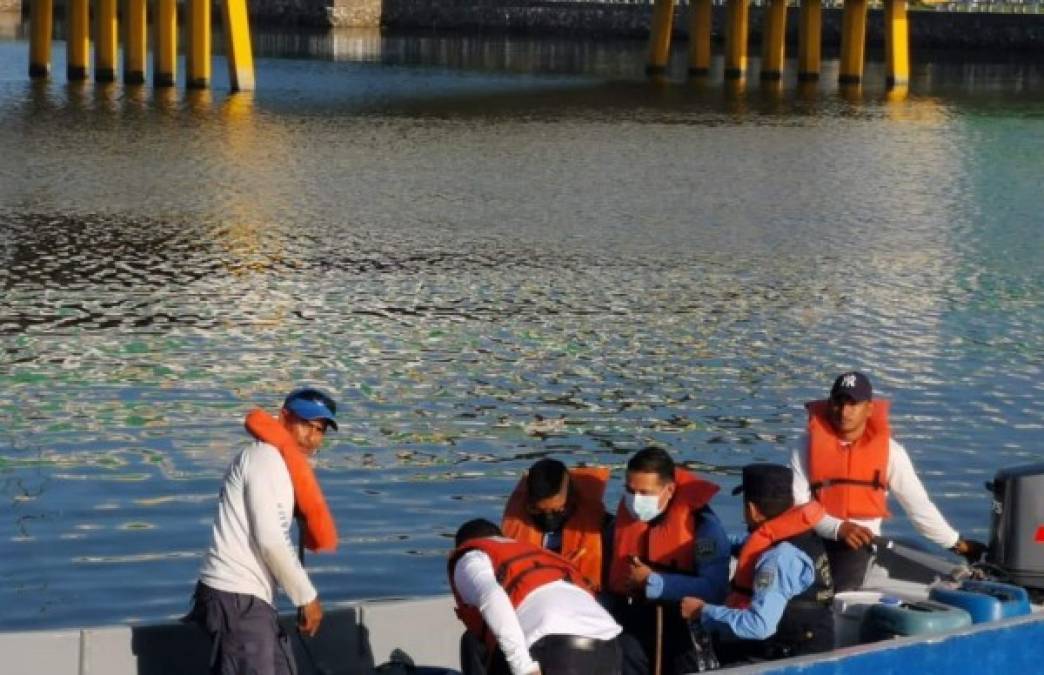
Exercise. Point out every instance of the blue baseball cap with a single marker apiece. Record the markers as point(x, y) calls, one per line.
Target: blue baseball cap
point(312, 404)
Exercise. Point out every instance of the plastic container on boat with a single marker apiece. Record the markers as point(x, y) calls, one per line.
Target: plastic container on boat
point(985, 600)
point(889, 619)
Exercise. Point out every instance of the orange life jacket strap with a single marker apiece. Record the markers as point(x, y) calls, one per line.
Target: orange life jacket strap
point(320, 532)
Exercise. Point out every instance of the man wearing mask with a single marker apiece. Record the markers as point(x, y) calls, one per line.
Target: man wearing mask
point(562, 510)
point(780, 604)
point(251, 553)
point(667, 544)
point(849, 463)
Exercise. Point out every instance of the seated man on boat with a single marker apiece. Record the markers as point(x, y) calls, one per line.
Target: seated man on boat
point(780, 604)
point(667, 544)
point(526, 610)
point(562, 510)
point(849, 463)
point(251, 550)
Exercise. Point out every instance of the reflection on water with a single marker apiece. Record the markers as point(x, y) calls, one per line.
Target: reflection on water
point(490, 251)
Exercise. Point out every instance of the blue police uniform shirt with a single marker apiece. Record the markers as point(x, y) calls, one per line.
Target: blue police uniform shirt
point(781, 573)
point(712, 560)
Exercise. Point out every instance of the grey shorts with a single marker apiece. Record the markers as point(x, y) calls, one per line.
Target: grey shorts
point(245, 633)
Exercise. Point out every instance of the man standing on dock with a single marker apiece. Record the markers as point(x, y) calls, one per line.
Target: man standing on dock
point(251, 551)
point(849, 463)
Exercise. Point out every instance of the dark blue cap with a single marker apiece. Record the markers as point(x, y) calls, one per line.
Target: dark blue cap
point(853, 386)
point(312, 404)
point(763, 480)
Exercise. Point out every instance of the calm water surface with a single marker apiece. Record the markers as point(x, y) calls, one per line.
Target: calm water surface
point(489, 251)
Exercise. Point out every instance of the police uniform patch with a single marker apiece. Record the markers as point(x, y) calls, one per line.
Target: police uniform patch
point(765, 577)
point(706, 548)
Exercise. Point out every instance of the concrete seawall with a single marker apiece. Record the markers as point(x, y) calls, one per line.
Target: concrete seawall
point(928, 29)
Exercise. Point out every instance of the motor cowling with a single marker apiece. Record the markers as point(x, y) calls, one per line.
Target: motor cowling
point(1017, 524)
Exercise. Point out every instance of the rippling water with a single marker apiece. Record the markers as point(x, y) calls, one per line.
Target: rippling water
point(489, 251)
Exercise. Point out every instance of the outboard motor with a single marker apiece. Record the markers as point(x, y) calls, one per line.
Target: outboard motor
point(1017, 525)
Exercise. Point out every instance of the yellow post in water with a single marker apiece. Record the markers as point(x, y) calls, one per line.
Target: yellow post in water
point(198, 53)
point(773, 39)
point(165, 52)
point(660, 37)
point(41, 23)
point(737, 14)
point(238, 47)
point(134, 46)
point(897, 43)
point(810, 40)
point(77, 40)
point(699, 37)
point(853, 41)
point(105, 41)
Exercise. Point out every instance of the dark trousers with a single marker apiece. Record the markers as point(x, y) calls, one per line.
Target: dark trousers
point(639, 621)
point(848, 567)
point(556, 654)
point(245, 634)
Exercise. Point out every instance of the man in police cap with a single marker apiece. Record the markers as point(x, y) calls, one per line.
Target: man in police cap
point(849, 463)
point(781, 591)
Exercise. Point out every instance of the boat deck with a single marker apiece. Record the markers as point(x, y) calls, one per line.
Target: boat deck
point(357, 637)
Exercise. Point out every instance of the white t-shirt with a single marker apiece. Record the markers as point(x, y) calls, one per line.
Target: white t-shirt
point(251, 550)
point(902, 481)
point(557, 608)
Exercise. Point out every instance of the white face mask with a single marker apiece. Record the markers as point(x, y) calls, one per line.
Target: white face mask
point(642, 507)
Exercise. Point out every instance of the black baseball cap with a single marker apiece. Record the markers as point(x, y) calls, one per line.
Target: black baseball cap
point(763, 480)
point(853, 386)
point(312, 404)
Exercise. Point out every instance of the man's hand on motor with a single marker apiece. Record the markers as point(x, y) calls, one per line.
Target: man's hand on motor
point(971, 550)
point(854, 535)
point(308, 618)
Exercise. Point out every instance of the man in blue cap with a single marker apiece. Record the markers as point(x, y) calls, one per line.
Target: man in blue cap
point(251, 552)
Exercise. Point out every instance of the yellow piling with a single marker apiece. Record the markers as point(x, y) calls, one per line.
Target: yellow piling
point(41, 23)
point(853, 41)
point(165, 52)
point(810, 40)
point(699, 37)
point(237, 46)
point(773, 40)
point(135, 43)
point(897, 43)
point(105, 45)
point(198, 52)
point(660, 37)
point(77, 40)
point(737, 14)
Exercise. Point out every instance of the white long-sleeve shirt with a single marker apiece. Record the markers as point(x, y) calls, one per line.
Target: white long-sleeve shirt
point(557, 608)
point(251, 550)
point(902, 481)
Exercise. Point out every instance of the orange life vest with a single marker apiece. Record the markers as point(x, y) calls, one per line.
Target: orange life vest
point(850, 482)
point(520, 569)
point(670, 543)
point(582, 533)
point(795, 521)
point(320, 533)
